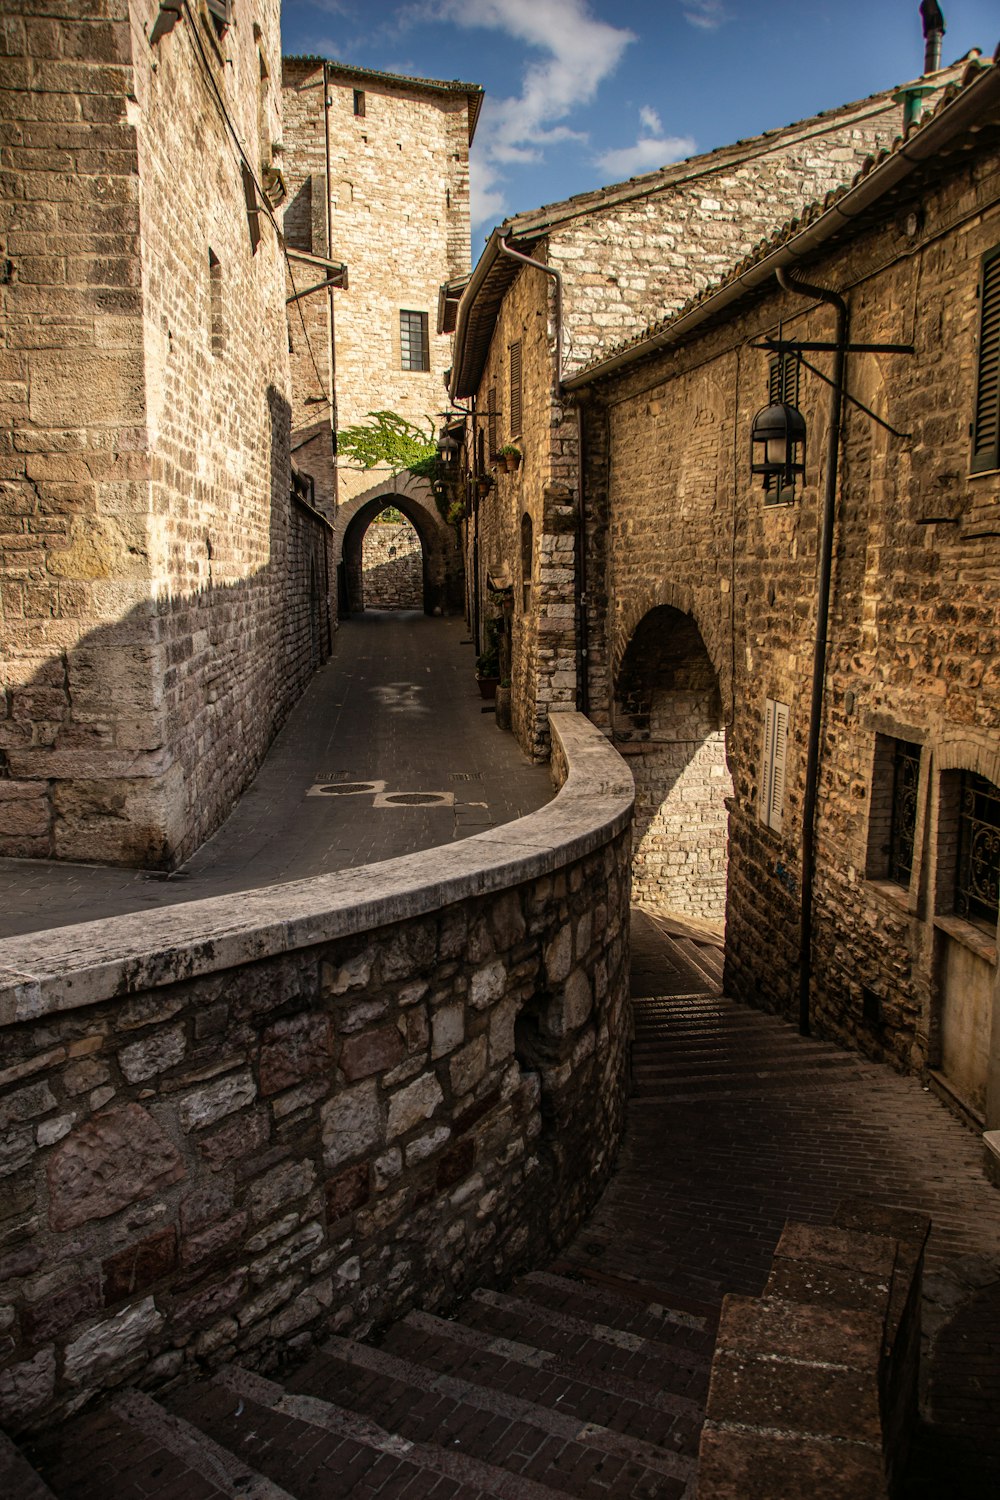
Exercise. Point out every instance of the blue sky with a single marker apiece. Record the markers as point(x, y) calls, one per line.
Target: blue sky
point(585, 92)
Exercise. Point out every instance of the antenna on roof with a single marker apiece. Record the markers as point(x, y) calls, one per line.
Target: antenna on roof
point(930, 14)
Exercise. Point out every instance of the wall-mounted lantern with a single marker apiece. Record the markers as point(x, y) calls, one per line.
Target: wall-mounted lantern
point(447, 448)
point(778, 445)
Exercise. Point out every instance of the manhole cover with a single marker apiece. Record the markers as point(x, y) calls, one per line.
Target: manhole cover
point(343, 787)
point(413, 799)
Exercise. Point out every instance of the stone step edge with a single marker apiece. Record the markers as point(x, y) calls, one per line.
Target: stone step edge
point(203, 1454)
point(601, 1333)
point(512, 1408)
point(464, 1468)
point(529, 1357)
point(627, 1285)
point(691, 954)
point(19, 1480)
point(568, 1284)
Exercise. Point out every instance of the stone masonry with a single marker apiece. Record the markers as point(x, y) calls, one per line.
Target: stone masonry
point(391, 572)
point(679, 533)
point(233, 1125)
point(146, 529)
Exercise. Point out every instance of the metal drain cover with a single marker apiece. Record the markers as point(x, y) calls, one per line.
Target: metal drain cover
point(345, 788)
point(415, 799)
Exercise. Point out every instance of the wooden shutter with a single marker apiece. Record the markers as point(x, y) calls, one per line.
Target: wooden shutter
point(515, 389)
point(492, 415)
point(986, 423)
point(783, 380)
point(773, 761)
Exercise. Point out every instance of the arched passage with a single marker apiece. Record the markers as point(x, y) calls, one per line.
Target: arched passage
point(392, 571)
point(441, 562)
point(668, 721)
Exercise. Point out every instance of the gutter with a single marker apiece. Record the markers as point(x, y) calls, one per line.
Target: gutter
point(968, 106)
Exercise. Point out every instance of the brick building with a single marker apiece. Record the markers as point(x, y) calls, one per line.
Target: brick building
point(608, 261)
point(377, 167)
point(862, 818)
point(164, 594)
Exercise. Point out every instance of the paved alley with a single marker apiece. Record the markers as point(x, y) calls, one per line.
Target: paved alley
point(388, 751)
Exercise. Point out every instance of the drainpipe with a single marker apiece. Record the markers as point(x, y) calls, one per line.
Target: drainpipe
point(580, 585)
point(329, 251)
point(557, 278)
point(821, 294)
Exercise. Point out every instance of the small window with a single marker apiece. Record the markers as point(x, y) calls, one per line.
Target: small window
point(414, 346)
point(892, 824)
point(253, 211)
point(782, 386)
point(515, 389)
point(977, 873)
point(772, 777)
point(215, 302)
point(986, 422)
point(359, 103)
point(527, 553)
point(221, 12)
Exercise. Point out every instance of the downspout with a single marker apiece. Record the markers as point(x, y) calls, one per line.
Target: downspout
point(821, 294)
point(329, 251)
point(557, 278)
point(580, 577)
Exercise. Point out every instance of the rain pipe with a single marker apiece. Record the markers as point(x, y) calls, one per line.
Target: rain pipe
point(834, 299)
point(557, 278)
point(327, 103)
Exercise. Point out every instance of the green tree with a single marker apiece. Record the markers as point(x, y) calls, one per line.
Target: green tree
point(387, 438)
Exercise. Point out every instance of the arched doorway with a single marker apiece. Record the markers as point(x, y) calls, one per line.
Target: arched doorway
point(668, 722)
point(392, 570)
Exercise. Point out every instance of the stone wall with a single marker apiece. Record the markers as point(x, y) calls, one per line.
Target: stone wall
point(147, 527)
point(398, 179)
point(235, 1123)
point(392, 567)
point(674, 522)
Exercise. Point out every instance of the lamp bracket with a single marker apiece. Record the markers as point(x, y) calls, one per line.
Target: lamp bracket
point(790, 346)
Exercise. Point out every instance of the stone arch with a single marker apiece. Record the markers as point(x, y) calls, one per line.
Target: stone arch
point(441, 560)
point(714, 629)
point(668, 721)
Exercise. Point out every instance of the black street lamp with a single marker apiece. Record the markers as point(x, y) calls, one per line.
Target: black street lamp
point(778, 445)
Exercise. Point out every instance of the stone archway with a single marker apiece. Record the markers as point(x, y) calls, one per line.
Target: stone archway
point(668, 722)
point(442, 587)
point(392, 570)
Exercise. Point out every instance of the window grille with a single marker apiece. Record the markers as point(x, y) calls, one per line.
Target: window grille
point(986, 422)
point(515, 389)
point(413, 341)
point(977, 877)
point(903, 827)
point(772, 781)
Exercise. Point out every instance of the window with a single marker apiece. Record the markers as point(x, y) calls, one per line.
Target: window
point(215, 302)
point(221, 12)
point(892, 821)
point(977, 872)
point(986, 422)
point(413, 342)
point(772, 777)
point(527, 552)
point(253, 211)
point(782, 386)
point(515, 389)
point(359, 103)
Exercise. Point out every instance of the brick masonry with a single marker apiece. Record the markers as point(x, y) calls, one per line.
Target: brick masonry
point(681, 536)
point(237, 1123)
point(147, 528)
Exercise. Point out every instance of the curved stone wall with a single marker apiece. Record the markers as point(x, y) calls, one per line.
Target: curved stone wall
point(233, 1124)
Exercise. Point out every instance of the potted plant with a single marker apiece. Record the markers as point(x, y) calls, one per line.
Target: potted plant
point(484, 483)
point(488, 660)
point(510, 457)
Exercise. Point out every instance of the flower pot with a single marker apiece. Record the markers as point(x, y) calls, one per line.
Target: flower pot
point(488, 687)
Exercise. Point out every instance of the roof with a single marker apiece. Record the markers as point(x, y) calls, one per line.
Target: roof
point(969, 105)
point(472, 91)
point(494, 272)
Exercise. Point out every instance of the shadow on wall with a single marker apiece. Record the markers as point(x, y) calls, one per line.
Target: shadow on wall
point(132, 744)
point(668, 722)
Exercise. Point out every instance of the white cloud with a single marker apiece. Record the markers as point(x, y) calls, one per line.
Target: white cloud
point(652, 149)
point(707, 14)
point(576, 52)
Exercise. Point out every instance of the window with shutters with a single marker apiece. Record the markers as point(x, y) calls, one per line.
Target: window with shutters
point(515, 389)
point(782, 386)
point(772, 773)
point(986, 421)
point(221, 12)
point(414, 347)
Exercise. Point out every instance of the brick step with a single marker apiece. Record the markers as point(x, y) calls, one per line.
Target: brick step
point(578, 1269)
point(582, 1459)
point(607, 1250)
point(317, 1447)
point(19, 1480)
point(728, 1086)
point(625, 1307)
point(711, 1063)
point(581, 1387)
point(133, 1449)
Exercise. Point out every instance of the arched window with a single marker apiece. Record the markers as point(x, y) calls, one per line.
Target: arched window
point(527, 553)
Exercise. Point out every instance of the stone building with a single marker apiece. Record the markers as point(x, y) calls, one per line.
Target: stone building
point(377, 168)
point(862, 818)
point(606, 262)
point(164, 593)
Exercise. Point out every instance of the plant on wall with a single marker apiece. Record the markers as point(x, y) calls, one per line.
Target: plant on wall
point(384, 437)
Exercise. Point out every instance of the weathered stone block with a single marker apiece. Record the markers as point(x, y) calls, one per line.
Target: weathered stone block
point(294, 1049)
point(154, 1054)
point(347, 1191)
point(371, 1052)
point(282, 1185)
point(352, 1124)
point(206, 1105)
point(55, 1313)
point(487, 985)
point(113, 1343)
point(106, 1163)
point(140, 1266)
point(412, 1105)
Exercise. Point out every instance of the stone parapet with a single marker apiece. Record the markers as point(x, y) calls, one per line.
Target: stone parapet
point(237, 1123)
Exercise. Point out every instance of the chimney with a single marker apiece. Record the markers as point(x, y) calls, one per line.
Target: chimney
point(933, 21)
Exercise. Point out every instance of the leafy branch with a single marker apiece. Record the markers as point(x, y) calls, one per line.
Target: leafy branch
point(387, 438)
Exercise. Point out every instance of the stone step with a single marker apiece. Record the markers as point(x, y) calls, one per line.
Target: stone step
point(319, 1447)
point(766, 1083)
point(582, 1459)
point(710, 1063)
point(707, 960)
point(575, 1267)
point(625, 1307)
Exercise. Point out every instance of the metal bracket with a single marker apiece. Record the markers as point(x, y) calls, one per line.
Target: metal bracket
point(791, 346)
